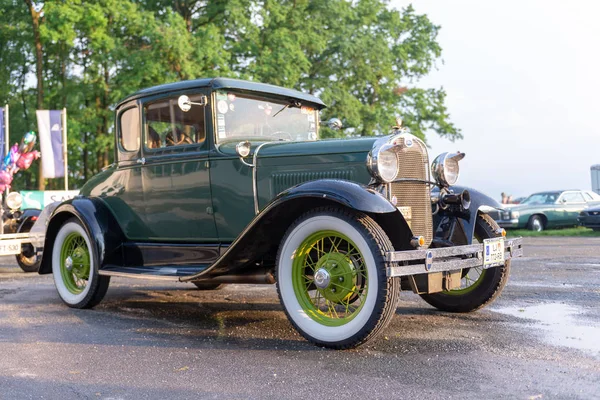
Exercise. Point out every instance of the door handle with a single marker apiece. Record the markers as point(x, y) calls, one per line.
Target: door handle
point(141, 160)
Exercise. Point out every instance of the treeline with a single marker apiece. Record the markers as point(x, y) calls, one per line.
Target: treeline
point(361, 57)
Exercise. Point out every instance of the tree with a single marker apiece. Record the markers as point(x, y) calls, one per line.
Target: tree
point(361, 57)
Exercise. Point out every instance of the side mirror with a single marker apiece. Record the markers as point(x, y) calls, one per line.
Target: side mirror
point(335, 124)
point(185, 104)
point(243, 150)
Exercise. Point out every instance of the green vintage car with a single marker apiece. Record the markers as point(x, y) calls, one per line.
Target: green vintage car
point(222, 181)
point(553, 209)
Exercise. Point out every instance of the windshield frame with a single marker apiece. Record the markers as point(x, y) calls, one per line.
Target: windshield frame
point(277, 101)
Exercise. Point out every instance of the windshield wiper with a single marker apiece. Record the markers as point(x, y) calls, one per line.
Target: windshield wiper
point(295, 104)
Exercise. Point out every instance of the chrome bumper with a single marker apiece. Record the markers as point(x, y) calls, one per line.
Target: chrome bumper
point(444, 258)
point(508, 223)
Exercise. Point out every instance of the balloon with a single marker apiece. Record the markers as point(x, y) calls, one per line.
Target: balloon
point(6, 162)
point(14, 153)
point(5, 179)
point(26, 159)
point(27, 142)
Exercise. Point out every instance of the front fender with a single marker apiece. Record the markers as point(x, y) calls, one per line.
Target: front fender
point(480, 202)
point(350, 194)
point(99, 223)
point(262, 236)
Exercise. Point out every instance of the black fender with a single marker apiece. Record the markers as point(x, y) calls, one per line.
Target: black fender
point(261, 238)
point(97, 220)
point(465, 218)
point(29, 216)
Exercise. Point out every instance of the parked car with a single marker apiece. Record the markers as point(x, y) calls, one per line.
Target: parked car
point(590, 218)
point(225, 181)
point(15, 221)
point(544, 210)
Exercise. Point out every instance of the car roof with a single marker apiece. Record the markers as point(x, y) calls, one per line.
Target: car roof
point(226, 83)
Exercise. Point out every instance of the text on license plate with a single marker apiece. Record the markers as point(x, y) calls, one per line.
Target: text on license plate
point(8, 247)
point(493, 252)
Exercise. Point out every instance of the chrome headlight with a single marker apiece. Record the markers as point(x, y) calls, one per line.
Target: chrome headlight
point(515, 214)
point(14, 200)
point(383, 163)
point(445, 168)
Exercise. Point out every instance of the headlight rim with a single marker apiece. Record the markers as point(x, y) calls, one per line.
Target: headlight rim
point(373, 162)
point(11, 201)
point(439, 168)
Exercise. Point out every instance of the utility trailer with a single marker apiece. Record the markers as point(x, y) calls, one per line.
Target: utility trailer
point(595, 170)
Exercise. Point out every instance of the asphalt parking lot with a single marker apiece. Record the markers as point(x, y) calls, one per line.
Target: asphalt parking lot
point(541, 339)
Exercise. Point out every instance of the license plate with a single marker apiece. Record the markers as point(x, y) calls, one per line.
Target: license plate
point(8, 247)
point(493, 252)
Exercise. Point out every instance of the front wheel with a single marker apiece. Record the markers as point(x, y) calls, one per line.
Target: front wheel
point(75, 267)
point(479, 286)
point(331, 278)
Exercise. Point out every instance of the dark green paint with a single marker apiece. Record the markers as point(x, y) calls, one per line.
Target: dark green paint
point(204, 193)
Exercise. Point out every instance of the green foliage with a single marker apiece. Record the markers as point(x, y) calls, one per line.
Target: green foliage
point(576, 231)
point(361, 57)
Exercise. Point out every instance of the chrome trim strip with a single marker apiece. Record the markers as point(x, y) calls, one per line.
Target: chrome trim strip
point(254, 176)
point(446, 258)
point(140, 276)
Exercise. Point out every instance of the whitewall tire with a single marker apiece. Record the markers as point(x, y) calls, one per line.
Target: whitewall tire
point(74, 267)
point(331, 277)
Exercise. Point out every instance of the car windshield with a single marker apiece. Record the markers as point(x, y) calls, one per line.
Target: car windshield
point(241, 117)
point(542, 198)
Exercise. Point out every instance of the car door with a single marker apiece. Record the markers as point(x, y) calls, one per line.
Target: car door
point(176, 174)
point(571, 203)
point(121, 187)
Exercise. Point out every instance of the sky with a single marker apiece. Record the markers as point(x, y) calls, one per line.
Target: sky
point(523, 84)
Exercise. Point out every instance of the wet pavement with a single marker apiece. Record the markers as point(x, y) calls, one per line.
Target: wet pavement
point(540, 339)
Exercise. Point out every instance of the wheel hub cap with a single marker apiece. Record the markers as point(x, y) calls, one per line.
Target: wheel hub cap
point(322, 278)
point(69, 263)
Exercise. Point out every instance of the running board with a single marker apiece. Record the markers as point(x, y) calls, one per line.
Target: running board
point(163, 273)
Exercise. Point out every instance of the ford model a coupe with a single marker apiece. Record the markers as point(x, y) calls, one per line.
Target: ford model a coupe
point(225, 181)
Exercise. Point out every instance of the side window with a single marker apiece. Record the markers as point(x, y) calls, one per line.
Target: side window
point(129, 129)
point(573, 198)
point(168, 126)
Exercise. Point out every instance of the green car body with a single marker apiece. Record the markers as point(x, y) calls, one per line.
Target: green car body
point(544, 210)
point(221, 181)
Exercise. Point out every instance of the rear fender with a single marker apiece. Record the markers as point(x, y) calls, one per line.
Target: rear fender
point(30, 215)
point(99, 223)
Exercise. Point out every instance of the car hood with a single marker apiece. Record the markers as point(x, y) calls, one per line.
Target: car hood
point(291, 149)
point(593, 208)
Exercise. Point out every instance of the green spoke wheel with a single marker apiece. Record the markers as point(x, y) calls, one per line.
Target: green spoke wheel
point(478, 286)
point(331, 278)
point(74, 267)
point(75, 263)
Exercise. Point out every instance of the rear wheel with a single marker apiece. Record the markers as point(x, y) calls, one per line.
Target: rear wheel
point(331, 278)
point(479, 286)
point(27, 259)
point(75, 267)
